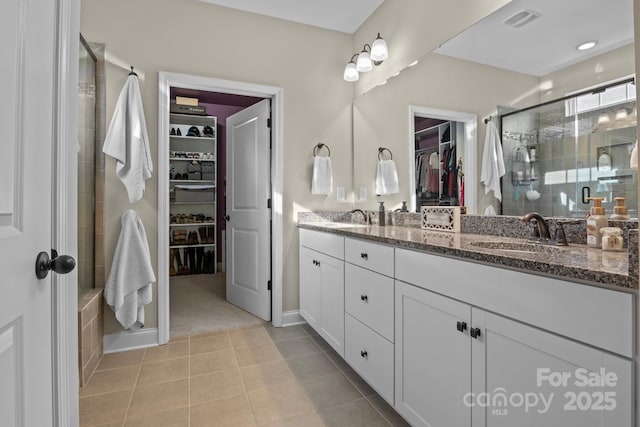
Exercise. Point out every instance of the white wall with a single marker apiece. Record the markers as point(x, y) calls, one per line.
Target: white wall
point(190, 37)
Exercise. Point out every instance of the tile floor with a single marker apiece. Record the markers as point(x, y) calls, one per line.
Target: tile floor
point(255, 376)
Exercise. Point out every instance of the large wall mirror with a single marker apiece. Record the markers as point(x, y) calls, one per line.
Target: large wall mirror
point(509, 60)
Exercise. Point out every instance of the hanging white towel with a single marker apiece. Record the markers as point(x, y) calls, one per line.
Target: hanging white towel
point(322, 179)
point(489, 211)
point(492, 162)
point(633, 161)
point(128, 288)
point(387, 178)
point(127, 140)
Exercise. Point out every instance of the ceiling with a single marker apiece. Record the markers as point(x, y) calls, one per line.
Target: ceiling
point(549, 42)
point(339, 15)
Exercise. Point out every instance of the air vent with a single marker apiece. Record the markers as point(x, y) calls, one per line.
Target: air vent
point(521, 18)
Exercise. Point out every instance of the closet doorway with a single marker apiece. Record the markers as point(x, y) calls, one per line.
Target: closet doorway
point(442, 152)
point(193, 295)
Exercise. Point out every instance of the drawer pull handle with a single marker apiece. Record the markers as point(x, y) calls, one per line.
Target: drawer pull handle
point(474, 332)
point(461, 326)
point(364, 256)
point(364, 298)
point(364, 354)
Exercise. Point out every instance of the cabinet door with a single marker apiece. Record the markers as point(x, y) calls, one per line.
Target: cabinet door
point(310, 286)
point(433, 370)
point(332, 302)
point(511, 359)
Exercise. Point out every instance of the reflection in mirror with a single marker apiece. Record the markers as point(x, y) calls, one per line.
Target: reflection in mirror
point(559, 153)
point(487, 86)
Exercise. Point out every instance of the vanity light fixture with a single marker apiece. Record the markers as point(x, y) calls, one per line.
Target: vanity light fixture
point(622, 114)
point(351, 73)
point(370, 56)
point(587, 45)
point(603, 118)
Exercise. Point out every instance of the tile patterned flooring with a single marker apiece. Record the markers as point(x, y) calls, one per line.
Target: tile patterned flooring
point(255, 376)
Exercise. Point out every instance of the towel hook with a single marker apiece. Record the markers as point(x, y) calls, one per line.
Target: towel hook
point(319, 147)
point(133, 73)
point(381, 151)
point(487, 120)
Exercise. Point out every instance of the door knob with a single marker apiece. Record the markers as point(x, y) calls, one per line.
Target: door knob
point(227, 217)
point(61, 264)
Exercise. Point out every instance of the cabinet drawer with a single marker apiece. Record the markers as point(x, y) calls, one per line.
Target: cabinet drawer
point(369, 255)
point(327, 243)
point(371, 356)
point(369, 298)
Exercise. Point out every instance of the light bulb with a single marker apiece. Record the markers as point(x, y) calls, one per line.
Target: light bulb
point(350, 72)
point(603, 118)
point(364, 63)
point(621, 114)
point(379, 51)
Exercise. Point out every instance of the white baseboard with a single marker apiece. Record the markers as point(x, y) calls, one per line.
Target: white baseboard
point(130, 340)
point(290, 318)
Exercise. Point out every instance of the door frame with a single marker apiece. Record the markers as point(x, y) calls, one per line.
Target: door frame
point(166, 80)
point(470, 163)
point(64, 292)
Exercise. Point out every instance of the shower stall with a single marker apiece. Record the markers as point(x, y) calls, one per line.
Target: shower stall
point(90, 260)
point(559, 153)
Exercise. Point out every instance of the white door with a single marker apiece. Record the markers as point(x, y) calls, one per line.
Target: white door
point(27, 42)
point(332, 301)
point(248, 215)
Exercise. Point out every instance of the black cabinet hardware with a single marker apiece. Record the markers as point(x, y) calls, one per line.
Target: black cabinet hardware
point(461, 326)
point(364, 354)
point(474, 332)
point(364, 256)
point(364, 298)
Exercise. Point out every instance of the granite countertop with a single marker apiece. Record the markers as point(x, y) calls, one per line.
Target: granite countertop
point(576, 263)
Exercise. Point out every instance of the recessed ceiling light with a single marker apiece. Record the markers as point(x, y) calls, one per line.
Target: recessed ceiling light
point(587, 45)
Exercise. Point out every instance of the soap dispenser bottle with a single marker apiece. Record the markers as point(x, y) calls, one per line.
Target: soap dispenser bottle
point(381, 214)
point(595, 221)
point(620, 211)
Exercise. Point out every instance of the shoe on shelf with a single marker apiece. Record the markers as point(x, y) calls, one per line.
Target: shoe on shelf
point(173, 131)
point(178, 132)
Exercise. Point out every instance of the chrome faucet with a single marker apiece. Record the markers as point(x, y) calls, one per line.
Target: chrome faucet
point(540, 222)
point(365, 217)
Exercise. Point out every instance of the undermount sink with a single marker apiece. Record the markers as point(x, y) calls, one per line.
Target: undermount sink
point(338, 224)
point(518, 247)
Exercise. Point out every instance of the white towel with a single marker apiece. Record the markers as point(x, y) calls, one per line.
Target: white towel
point(387, 178)
point(489, 211)
point(492, 162)
point(127, 140)
point(322, 179)
point(633, 161)
point(128, 288)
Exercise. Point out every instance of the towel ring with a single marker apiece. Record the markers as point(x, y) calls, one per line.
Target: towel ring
point(381, 151)
point(319, 147)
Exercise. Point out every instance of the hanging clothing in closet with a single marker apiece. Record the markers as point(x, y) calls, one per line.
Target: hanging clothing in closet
point(449, 176)
point(427, 173)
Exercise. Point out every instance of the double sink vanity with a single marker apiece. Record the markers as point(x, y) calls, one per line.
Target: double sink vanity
point(466, 329)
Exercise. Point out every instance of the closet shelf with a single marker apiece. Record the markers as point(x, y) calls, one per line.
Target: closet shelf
point(192, 203)
point(189, 160)
point(192, 224)
point(191, 181)
point(192, 138)
point(199, 245)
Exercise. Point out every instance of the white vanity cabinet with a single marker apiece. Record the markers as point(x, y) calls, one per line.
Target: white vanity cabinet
point(322, 285)
point(451, 355)
point(433, 369)
point(513, 359)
